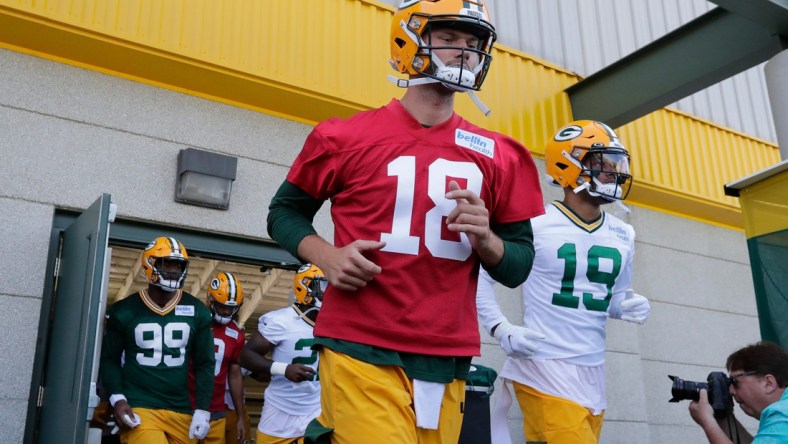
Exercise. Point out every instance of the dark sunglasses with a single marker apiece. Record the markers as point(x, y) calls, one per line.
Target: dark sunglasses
point(735, 379)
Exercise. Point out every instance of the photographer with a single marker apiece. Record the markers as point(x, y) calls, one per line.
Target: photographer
point(758, 378)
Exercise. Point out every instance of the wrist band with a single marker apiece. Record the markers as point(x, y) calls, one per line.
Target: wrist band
point(278, 368)
point(115, 398)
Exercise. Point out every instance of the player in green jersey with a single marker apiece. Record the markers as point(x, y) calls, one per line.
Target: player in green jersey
point(151, 339)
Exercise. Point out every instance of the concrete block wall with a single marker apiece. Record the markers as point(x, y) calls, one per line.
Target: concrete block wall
point(24, 236)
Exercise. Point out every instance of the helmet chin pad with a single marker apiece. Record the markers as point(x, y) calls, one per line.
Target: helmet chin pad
point(224, 320)
point(456, 78)
point(169, 285)
point(608, 191)
point(218, 317)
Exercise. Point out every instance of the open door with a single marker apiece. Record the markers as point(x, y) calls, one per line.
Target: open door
point(70, 369)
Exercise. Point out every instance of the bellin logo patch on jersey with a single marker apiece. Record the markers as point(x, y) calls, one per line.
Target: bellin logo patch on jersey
point(480, 144)
point(184, 310)
point(231, 333)
point(620, 232)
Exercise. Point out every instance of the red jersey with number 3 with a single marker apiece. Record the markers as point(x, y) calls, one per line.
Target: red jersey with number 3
point(387, 176)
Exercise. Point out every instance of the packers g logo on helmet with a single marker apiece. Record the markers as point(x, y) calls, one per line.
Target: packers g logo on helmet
point(568, 133)
point(215, 284)
point(159, 250)
point(587, 155)
point(225, 290)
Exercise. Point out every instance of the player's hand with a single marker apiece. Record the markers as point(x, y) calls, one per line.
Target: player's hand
point(635, 308)
point(470, 216)
point(241, 427)
point(516, 341)
point(347, 268)
point(299, 372)
point(201, 423)
point(124, 416)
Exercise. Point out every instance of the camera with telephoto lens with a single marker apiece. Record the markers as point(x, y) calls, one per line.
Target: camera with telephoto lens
point(717, 387)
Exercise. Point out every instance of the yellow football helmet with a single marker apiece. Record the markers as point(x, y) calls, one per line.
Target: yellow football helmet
point(153, 257)
point(309, 285)
point(411, 54)
point(224, 289)
point(587, 155)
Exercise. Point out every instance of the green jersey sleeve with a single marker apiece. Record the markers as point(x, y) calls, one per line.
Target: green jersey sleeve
point(203, 358)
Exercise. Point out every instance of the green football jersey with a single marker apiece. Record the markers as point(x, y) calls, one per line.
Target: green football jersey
point(147, 352)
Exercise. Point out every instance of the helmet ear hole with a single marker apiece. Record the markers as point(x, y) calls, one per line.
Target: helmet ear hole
point(562, 166)
point(399, 42)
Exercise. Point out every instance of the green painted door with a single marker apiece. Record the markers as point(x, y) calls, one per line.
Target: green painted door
point(70, 367)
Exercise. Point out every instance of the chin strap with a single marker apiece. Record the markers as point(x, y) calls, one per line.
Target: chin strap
point(579, 189)
point(617, 202)
point(482, 107)
point(623, 207)
point(404, 83)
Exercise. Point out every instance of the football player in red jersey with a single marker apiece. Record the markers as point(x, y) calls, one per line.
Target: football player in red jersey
point(417, 192)
point(225, 297)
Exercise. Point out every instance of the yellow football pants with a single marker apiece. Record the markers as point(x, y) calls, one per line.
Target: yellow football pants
point(262, 438)
point(159, 427)
point(554, 420)
point(216, 433)
point(371, 404)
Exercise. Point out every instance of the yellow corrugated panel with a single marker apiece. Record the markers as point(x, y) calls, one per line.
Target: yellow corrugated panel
point(315, 45)
point(309, 60)
point(681, 163)
point(766, 206)
point(526, 97)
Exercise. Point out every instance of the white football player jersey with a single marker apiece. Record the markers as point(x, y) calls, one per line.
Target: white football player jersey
point(293, 339)
point(580, 275)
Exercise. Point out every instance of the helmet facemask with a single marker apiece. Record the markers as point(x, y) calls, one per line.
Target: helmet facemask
point(167, 279)
point(605, 173)
point(317, 288)
point(220, 318)
point(427, 63)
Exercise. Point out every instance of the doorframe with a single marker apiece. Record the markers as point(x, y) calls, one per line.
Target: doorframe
point(138, 234)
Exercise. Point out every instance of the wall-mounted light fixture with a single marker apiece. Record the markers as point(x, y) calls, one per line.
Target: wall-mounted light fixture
point(205, 179)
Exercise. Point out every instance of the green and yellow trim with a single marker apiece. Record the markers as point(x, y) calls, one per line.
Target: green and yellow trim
point(589, 227)
point(154, 307)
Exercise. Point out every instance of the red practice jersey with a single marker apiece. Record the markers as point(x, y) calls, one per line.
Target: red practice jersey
point(387, 176)
point(228, 341)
